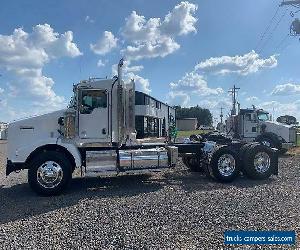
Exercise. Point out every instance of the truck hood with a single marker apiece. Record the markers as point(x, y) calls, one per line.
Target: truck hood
point(287, 132)
point(41, 126)
point(32, 120)
point(277, 124)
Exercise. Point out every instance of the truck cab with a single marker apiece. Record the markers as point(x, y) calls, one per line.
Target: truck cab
point(95, 133)
point(255, 125)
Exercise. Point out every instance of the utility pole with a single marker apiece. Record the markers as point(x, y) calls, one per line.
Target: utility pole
point(221, 115)
point(233, 93)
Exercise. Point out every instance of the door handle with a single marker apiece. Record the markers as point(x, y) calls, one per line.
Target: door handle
point(104, 131)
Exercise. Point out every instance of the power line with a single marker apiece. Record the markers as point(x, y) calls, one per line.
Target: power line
point(263, 35)
point(282, 42)
point(268, 27)
point(272, 32)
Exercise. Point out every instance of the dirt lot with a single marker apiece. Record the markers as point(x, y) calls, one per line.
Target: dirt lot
point(171, 210)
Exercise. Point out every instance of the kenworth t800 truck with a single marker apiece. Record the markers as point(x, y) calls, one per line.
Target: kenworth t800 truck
point(96, 134)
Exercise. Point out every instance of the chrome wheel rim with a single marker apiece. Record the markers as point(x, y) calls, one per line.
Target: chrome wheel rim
point(49, 174)
point(262, 162)
point(226, 165)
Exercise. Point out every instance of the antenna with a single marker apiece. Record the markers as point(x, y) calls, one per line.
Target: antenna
point(234, 94)
point(120, 65)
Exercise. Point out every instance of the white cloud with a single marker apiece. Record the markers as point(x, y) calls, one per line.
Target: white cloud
point(243, 65)
point(278, 108)
point(286, 89)
point(1, 90)
point(142, 84)
point(180, 21)
point(88, 19)
point(130, 72)
point(127, 67)
point(160, 48)
point(214, 103)
point(105, 44)
point(178, 98)
point(195, 83)
point(154, 37)
point(100, 63)
point(24, 55)
point(54, 44)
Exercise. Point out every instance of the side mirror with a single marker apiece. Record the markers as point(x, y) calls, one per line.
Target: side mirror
point(60, 121)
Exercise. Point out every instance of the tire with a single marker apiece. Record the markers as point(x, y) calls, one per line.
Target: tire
point(59, 173)
point(259, 162)
point(270, 140)
point(192, 163)
point(224, 165)
point(243, 150)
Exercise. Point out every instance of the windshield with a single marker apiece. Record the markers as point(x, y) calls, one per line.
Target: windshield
point(263, 116)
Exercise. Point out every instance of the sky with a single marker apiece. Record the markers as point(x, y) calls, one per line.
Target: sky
point(181, 52)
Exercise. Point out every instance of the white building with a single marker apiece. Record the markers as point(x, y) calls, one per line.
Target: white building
point(3, 127)
point(152, 117)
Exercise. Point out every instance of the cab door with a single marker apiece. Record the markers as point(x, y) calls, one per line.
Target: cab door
point(250, 126)
point(93, 114)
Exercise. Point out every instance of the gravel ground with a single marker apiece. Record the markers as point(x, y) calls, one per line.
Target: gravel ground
point(168, 210)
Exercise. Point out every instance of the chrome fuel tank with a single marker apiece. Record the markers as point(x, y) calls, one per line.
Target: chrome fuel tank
point(144, 158)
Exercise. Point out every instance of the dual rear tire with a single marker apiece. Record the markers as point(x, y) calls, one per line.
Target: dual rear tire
point(259, 162)
point(254, 160)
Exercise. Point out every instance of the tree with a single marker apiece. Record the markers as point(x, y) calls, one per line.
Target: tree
point(204, 117)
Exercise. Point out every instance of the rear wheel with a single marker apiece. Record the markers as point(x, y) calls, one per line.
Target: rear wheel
point(49, 173)
point(259, 162)
point(224, 165)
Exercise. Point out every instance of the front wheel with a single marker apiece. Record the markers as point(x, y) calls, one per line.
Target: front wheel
point(49, 173)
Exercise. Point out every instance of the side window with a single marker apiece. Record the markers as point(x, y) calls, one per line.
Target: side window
point(92, 99)
point(147, 100)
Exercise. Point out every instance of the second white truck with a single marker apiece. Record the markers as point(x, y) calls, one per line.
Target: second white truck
point(255, 125)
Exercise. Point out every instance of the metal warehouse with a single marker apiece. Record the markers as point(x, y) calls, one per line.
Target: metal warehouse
point(152, 117)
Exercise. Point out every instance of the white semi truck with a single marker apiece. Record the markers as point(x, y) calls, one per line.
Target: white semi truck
point(96, 134)
point(255, 125)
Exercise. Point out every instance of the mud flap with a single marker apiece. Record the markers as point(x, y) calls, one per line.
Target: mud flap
point(275, 154)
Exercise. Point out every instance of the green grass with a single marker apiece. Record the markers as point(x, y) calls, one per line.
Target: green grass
point(192, 132)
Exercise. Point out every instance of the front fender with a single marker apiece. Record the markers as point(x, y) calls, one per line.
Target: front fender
point(73, 151)
point(21, 154)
